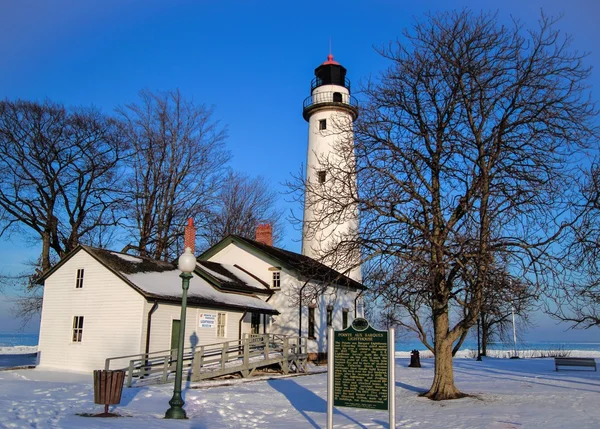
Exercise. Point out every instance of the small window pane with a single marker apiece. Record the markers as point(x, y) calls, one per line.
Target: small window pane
point(322, 176)
point(329, 316)
point(311, 322)
point(79, 282)
point(221, 319)
point(322, 124)
point(77, 329)
point(276, 280)
point(344, 319)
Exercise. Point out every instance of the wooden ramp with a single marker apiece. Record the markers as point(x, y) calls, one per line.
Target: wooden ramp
point(244, 357)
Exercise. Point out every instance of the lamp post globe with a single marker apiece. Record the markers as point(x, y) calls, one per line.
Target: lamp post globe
point(186, 263)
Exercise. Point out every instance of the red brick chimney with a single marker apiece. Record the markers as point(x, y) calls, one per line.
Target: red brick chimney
point(264, 234)
point(189, 236)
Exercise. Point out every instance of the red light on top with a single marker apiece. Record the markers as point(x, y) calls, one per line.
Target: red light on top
point(330, 60)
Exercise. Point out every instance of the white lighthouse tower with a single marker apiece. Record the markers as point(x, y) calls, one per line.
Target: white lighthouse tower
point(330, 111)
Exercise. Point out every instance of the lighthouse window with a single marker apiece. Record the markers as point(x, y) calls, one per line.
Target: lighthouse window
point(322, 124)
point(322, 176)
point(337, 97)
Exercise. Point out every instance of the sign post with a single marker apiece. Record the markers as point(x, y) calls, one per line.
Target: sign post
point(361, 369)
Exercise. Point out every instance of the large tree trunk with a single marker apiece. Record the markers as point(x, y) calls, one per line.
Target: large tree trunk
point(485, 329)
point(443, 380)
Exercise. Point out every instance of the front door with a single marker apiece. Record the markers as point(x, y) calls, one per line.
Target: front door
point(175, 326)
point(255, 325)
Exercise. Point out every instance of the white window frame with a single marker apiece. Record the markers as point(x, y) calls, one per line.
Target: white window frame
point(77, 329)
point(79, 276)
point(221, 325)
point(276, 280)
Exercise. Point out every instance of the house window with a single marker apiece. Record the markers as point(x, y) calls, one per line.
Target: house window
point(322, 124)
point(77, 329)
point(221, 318)
point(276, 280)
point(255, 323)
point(329, 315)
point(322, 175)
point(311, 322)
point(79, 281)
point(345, 318)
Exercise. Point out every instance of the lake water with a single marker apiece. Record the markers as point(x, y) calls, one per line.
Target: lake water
point(22, 339)
point(17, 349)
point(406, 346)
point(18, 339)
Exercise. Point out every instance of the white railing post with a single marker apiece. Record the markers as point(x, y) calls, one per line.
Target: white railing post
point(330, 369)
point(266, 337)
point(130, 373)
point(224, 355)
point(165, 368)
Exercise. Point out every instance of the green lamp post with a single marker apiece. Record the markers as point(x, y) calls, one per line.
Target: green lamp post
point(187, 264)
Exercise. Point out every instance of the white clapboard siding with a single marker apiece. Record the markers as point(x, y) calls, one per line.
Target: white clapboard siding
point(160, 331)
point(287, 322)
point(112, 310)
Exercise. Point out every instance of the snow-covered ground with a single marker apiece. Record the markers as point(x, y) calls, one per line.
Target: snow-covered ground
point(507, 393)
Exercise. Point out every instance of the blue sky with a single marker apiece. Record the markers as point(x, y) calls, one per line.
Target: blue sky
point(252, 60)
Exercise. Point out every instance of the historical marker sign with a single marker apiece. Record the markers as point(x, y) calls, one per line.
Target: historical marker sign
point(360, 364)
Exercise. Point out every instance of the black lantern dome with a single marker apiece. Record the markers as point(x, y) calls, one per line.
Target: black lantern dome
point(330, 73)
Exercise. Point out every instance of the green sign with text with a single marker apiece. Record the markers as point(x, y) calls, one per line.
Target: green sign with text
point(360, 367)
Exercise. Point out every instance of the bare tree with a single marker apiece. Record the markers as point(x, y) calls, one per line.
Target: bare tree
point(60, 173)
point(177, 165)
point(465, 149)
point(29, 303)
point(576, 300)
point(504, 295)
point(241, 204)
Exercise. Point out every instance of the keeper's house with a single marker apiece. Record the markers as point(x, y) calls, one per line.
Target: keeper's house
point(100, 304)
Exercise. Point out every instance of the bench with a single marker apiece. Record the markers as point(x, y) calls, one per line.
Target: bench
point(575, 362)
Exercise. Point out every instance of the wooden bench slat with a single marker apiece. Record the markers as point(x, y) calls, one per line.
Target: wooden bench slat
point(575, 362)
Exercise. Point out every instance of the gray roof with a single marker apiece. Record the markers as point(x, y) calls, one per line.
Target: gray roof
point(159, 280)
point(301, 264)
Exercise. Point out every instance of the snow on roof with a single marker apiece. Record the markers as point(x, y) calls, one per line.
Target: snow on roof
point(245, 277)
point(302, 264)
point(215, 274)
point(168, 283)
point(232, 275)
point(128, 258)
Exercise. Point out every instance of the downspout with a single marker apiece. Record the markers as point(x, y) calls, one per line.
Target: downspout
point(265, 316)
point(300, 308)
point(240, 325)
point(148, 326)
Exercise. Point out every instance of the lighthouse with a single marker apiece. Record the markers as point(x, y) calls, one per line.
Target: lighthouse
point(330, 111)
